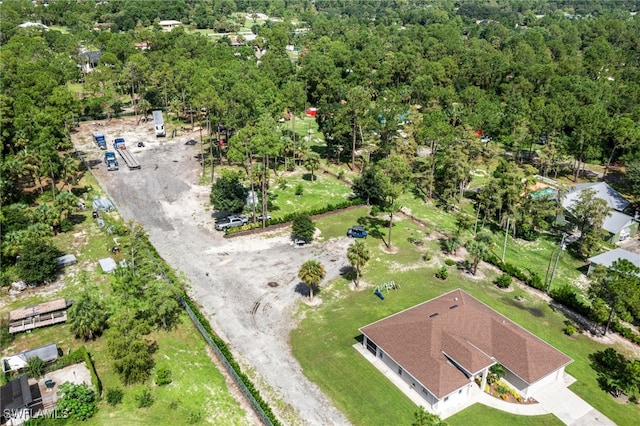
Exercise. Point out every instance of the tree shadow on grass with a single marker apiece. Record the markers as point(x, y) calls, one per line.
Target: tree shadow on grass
point(348, 273)
point(374, 226)
point(307, 177)
point(536, 312)
point(76, 219)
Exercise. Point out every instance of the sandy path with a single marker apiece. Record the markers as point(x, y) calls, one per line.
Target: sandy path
point(232, 279)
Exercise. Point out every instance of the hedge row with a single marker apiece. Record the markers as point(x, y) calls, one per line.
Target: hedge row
point(531, 279)
point(290, 216)
point(224, 349)
point(565, 295)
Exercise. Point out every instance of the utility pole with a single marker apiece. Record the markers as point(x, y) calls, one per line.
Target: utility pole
point(556, 264)
point(506, 235)
point(475, 228)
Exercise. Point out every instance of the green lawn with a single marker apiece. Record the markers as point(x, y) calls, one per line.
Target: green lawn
point(324, 189)
point(198, 388)
point(323, 341)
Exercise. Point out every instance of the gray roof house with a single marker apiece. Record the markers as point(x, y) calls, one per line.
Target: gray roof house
point(440, 347)
point(607, 258)
point(603, 191)
point(618, 225)
point(14, 396)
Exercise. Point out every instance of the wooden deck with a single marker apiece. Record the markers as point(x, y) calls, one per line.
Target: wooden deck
point(37, 321)
point(35, 310)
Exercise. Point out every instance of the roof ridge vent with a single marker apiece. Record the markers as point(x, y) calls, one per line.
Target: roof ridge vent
point(453, 306)
point(433, 315)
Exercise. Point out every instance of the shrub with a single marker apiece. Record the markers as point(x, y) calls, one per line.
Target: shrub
point(570, 330)
point(282, 183)
point(35, 367)
point(145, 399)
point(427, 257)
point(299, 189)
point(442, 273)
point(449, 262)
point(78, 401)
point(303, 227)
point(163, 377)
point(194, 417)
point(341, 174)
point(114, 396)
point(503, 281)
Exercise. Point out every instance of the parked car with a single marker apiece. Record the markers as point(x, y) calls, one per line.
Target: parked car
point(357, 231)
point(266, 217)
point(231, 222)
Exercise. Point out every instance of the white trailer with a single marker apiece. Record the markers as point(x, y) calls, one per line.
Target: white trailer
point(158, 121)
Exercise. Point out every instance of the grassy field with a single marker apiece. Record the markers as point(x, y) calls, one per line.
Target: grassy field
point(198, 390)
point(322, 190)
point(323, 343)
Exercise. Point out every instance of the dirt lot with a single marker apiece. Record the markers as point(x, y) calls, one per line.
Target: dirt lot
point(247, 286)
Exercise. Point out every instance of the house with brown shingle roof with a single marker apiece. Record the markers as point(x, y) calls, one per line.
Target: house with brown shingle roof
point(441, 346)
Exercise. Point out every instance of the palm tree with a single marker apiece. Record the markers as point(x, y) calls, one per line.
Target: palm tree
point(312, 163)
point(358, 256)
point(69, 170)
point(87, 318)
point(478, 251)
point(311, 273)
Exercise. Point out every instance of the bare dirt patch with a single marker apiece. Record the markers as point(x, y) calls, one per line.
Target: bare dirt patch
point(229, 278)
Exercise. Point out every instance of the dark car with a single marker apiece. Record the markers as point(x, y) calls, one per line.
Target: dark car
point(357, 231)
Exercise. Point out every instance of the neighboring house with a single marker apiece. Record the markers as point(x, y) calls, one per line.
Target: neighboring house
point(89, 60)
point(142, 45)
point(17, 362)
point(606, 259)
point(33, 25)
point(440, 347)
point(169, 25)
point(618, 225)
point(42, 315)
point(15, 396)
point(603, 191)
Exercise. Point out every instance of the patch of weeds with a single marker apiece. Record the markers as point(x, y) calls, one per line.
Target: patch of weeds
point(163, 377)
point(145, 399)
point(114, 396)
point(194, 417)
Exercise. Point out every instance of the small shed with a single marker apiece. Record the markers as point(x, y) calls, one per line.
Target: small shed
point(108, 264)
